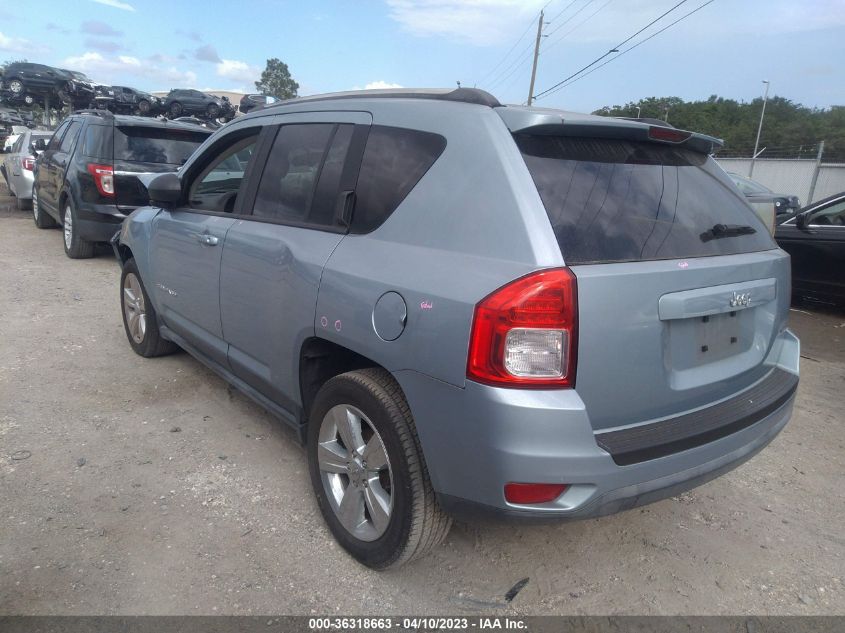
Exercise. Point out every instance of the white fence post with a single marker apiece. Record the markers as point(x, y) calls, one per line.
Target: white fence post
point(816, 172)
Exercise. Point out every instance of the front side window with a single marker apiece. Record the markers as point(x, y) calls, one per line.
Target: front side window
point(299, 184)
point(834, 215)
point(218, 185)
point(614, 200)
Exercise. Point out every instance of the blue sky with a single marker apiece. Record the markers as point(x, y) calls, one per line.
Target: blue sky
point(726, 48)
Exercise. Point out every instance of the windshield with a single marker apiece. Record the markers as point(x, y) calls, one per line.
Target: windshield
point(612, 200)
point(748, 186)
point(156, 145)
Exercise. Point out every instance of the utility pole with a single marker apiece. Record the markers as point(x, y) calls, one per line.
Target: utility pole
point(536, 55)
point(816, 173)
point(759, 128)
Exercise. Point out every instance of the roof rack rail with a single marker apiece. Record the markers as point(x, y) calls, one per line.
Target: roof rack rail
point(462, 95)
point(103, 113)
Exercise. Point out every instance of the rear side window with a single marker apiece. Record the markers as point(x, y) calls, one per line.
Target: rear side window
point(394, 161)
point(302, 156)
point(70, 136)
point(155, 145)
point(613, 200)
point(98, 142)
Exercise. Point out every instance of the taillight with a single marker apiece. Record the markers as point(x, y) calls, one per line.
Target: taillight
point(28, 163)
point(103, 178)
point(525, 333)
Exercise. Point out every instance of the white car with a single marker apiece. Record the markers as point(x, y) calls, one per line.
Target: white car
point(19, 163)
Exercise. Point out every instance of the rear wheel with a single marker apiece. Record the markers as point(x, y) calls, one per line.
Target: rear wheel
point(16, 86)
point(144, 107)
point(75, 246)
point(42, 220)
point(140, 320)
point(368, 471)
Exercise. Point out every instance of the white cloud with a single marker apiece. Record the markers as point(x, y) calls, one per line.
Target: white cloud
point(116, 70)
point(19, 45)
point(479, 22)
point(117, 4)
point(237, 70)
point(380, 85)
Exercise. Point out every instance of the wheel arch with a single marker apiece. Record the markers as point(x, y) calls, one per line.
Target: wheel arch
point(321, 360)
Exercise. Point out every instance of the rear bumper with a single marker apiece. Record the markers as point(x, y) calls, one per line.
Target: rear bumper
point(98, 223)
point(477, 439)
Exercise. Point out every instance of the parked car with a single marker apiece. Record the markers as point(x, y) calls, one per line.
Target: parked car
point(87, 177)
point(125, 100)
point(764, 200)
point(250, 102)
point(815, 239)
point(466, 308)
point(193, 102)
point(211, 124)
point(19, 165)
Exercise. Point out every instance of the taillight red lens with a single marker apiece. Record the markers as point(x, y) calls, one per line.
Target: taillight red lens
point(667, 134)
point(28, 164)
point(525, 333)
point(103, 178)
point(533, 493)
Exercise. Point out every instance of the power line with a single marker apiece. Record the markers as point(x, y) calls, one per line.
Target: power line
point(615, 49)
point(627, 50)
point(515, 44)
point(562, 11)
point(570, 18)
point(577, 26)
point(523, 57)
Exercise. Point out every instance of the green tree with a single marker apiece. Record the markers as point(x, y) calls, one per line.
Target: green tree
point(276, 81)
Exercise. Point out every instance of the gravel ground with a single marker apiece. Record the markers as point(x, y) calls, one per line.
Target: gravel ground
point(133, 486)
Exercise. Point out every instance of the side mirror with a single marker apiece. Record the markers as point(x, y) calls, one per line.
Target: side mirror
point(165, 190)
point(802, 220)
point(40, 145)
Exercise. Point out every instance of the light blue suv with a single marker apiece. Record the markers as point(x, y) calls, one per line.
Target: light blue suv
point(466, 308)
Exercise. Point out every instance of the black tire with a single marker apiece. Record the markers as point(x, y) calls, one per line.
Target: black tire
point(16, 86)
point(21, 204)
point(416, 524)
point(144, 107)
point(75, 246)
point(213, 110)
point(29, 100)
point(42, 219)
point(175, 109)
point(151, 344)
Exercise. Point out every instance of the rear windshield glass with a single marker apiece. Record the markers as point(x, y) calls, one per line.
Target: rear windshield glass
point(155, 145)
point(613, 200)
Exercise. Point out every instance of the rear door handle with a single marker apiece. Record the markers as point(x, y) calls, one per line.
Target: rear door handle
point(209, 240)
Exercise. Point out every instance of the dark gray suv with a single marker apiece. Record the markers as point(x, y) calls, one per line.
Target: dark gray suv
point(466, 308)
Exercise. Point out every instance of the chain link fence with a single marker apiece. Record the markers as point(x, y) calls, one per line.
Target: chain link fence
point(805, 171)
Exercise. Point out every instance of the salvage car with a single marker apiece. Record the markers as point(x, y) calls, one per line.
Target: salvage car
point(21, 78)
point(193, 102)
point(465, 308)
point(250, 102)
point(126, 100)
point(815, 239)
point(19, 165)
point(87, 178)
point(79, 90)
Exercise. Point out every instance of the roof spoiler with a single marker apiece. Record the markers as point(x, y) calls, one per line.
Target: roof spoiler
point(566, 124)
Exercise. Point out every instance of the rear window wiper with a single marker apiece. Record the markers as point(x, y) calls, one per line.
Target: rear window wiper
point(726, 230)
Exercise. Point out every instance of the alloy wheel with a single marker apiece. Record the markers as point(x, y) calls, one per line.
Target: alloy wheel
point(68, 227)
point(133, 308)
point(16, 86)
point(355, 471)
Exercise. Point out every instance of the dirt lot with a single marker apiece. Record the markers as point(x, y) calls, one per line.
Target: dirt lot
point(133, 486)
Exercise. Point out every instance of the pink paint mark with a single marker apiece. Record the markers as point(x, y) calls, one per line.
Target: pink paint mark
point(683, 264)
point(324, 321)
point(337, 325)
point(426, 305)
